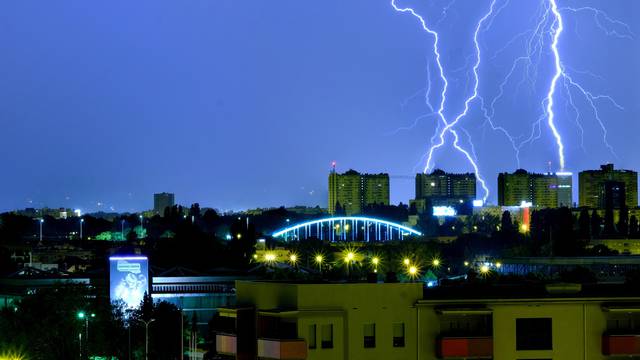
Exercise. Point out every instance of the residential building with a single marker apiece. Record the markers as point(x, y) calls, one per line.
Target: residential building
point(352, 192)
point(444, 189)
point(162, 201)
point(339, 321)
point(596, 185)
point(549, 190)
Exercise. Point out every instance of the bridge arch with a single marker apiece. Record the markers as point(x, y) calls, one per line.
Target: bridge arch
point(347, 228)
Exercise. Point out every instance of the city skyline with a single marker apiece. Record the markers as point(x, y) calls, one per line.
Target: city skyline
point(102, 118)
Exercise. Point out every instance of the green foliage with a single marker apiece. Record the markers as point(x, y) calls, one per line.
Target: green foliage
point(46, 326)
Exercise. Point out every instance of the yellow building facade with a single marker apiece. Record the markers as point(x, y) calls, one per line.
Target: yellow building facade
point(336, 321)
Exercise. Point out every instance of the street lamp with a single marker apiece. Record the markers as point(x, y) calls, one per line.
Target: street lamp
point(375, 261)
point(81, 222)
point(41, 222)
point(146, 336)
point(84, 316)
point(319, 259)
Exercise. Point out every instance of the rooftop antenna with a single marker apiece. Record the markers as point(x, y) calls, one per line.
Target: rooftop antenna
point(549, 165)
point(333, 166)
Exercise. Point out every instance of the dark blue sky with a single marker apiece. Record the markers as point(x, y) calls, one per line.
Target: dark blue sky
point(238, 104)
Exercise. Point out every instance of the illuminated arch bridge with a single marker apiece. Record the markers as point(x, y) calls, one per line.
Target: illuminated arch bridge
point(347, 228)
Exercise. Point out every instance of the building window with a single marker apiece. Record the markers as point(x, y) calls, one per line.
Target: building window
point(534, 334)
point(369, 331)
point(327, 336)
point(398, 335)
point(312, 336)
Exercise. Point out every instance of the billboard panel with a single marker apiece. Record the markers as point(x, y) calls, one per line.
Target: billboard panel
point(129, 279)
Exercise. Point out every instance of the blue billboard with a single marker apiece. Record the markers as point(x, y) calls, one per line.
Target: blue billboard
point(129, 279)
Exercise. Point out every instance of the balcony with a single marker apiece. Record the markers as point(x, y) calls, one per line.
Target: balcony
point(621, 344)
point(226, 344)
point(291, 349)
point(465, 347)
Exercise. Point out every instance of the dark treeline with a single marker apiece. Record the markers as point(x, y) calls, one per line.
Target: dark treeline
point(45, 326)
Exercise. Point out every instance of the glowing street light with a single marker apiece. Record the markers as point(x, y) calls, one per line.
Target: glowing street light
point(319, 259)
point(406, 261)
point(293, 259)
point(375, 261)
point(413, 271)
point(81, 222)
point(466, 263)
point(270, 257)
point(498, 265)
point(484, 269)
point(349, 256)
point(435, 262)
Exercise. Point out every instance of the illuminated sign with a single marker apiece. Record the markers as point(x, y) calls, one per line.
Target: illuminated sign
point(444, 211)
point(526, 204)
point(478, 203)
point(129, 279)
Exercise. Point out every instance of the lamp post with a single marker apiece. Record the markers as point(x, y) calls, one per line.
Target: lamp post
point(146, 336)
point(84, 316)
point(81, 222)
point(122, 228)
point(41, 222)
point(141, 225)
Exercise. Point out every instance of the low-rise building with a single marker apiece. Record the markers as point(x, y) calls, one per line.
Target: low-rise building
point(402, 321)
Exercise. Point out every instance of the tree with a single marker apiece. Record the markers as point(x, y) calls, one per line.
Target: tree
point(195, 211)
point(164, 328)
point(596, 222)
point(633, 226)
point(506, 224)
point(46, 324)
point(584, 225)
point(563, 240)
point(623, 221)
point(609, 228)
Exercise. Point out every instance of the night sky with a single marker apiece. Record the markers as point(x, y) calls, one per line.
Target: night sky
point(244, 103)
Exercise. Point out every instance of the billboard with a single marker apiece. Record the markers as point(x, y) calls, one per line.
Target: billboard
point(444, 211)
point(129, 279)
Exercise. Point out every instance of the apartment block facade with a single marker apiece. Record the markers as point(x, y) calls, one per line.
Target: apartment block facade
point(399, 321)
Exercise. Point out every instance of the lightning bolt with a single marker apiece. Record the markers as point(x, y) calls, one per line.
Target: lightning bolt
point(556, 30)
point(550, 22)
point(448, 126)
point(542, 39)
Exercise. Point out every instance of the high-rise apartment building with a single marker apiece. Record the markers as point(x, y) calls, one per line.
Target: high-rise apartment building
point(352, 191)
point(593, 185)
point(443, 187)
point(548, 190)
point(161, 201)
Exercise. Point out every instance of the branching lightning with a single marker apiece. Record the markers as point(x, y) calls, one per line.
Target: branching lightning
point(448, 126)
point(541, 43)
